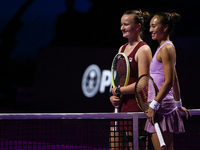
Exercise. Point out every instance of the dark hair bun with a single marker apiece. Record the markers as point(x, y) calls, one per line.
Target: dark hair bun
point(175, 17)
point(146, 15)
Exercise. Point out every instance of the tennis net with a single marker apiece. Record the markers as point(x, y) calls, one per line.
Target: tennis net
point(85, 131)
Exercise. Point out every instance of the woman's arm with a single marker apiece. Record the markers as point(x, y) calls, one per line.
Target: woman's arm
point(176, 87)
point(177, 96)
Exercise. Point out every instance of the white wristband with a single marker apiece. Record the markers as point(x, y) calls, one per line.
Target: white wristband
point(178, 103)
point(154, 104)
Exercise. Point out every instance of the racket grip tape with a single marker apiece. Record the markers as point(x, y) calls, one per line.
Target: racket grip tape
point(159, 134)
point(116, 109)
point(116, 123)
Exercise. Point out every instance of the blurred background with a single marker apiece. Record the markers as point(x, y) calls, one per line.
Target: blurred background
point(55, 55)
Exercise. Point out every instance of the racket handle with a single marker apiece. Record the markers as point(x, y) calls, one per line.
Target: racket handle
point(116, 109)
point(116, 123)
point(159, 134)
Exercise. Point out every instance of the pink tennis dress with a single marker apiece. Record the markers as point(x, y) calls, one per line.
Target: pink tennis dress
point(168, 116)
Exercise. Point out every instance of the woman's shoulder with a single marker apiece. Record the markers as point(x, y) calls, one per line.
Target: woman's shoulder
point(167, 47)
point(122, 47)
point(144, 48)
point(144, 52)
point(167, 51)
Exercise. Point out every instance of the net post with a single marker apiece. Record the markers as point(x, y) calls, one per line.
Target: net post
point(135, 132)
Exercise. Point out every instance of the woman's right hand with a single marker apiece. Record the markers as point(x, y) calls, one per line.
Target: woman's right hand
point(150, 114)
point(116, 101)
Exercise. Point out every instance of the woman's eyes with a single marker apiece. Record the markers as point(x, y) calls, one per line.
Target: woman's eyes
point(125, 24)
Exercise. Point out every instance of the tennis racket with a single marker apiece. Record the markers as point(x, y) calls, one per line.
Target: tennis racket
point(145, 91)
point(120, 73)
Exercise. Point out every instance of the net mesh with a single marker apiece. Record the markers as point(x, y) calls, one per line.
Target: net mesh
point(85, 132)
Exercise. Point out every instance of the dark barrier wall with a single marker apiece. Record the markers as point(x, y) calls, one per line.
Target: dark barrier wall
point(60, 83)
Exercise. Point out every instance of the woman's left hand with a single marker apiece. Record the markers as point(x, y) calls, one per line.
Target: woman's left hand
point(187, 112)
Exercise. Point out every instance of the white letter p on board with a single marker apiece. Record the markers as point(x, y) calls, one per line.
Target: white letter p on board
point(105, 80)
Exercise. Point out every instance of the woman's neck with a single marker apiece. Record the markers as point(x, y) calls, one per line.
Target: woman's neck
point(133, 41)
point(160, 42)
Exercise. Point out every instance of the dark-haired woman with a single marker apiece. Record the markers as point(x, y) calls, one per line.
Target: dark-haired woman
point(162, 69)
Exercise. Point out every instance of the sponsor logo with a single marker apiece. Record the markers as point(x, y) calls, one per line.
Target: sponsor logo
point(130, 59)
point(94, 80)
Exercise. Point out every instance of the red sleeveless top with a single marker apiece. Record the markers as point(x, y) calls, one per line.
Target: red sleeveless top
point(129, 103)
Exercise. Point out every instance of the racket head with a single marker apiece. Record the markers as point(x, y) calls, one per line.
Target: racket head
point(120, 70)
point(145, 91)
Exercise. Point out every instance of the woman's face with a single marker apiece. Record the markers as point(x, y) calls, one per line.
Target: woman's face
point(128, 26)
point(156, 28)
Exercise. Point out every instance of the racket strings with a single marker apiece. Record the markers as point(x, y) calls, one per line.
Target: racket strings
point(120, 70)
point(145, 92)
